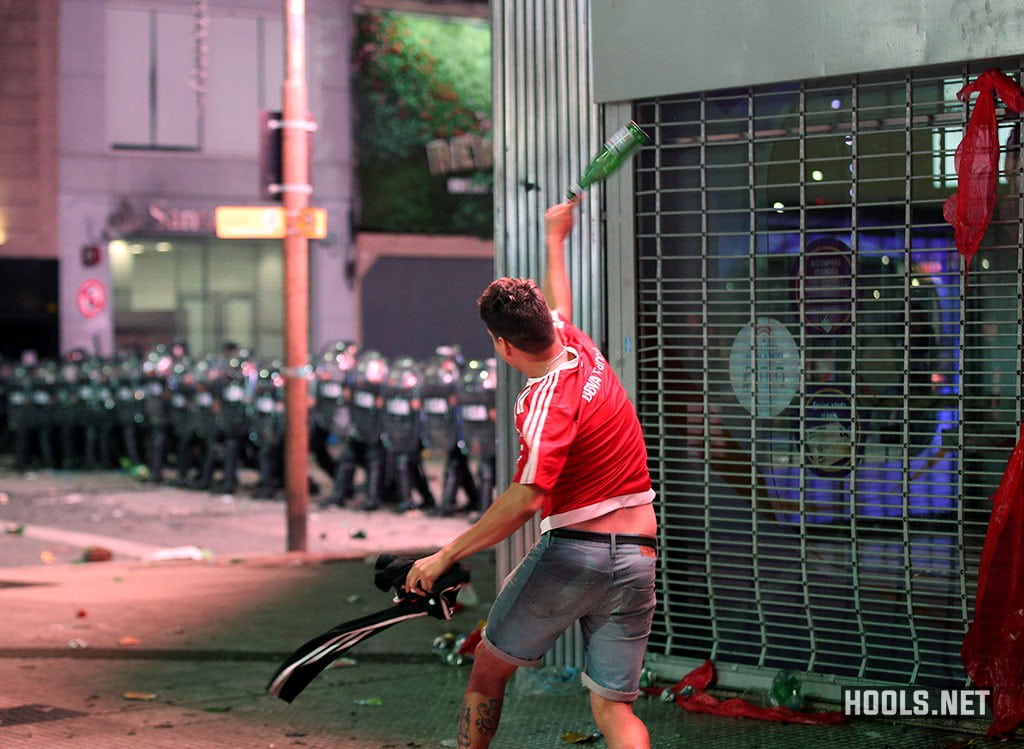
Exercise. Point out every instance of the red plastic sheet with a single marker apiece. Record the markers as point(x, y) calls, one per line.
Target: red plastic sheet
point(468, 647)
point(970, 208)
point(700, 701)
point(993, 650)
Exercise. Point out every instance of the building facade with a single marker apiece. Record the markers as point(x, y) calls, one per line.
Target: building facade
point(162, 107)
point(28, 174)
point(129, 122)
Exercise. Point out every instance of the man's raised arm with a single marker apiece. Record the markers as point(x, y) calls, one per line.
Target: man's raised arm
point(558, 221)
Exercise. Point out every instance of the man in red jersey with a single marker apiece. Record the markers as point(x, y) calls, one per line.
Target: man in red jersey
point(583, 463)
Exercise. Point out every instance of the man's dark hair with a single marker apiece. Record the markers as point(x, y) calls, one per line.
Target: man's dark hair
point(515, 309)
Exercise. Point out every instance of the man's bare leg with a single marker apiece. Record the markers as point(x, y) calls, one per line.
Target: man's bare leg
point(619, 724)
point(481, 705)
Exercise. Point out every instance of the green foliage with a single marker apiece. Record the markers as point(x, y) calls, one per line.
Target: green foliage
point(399, 199)
point(418, 78)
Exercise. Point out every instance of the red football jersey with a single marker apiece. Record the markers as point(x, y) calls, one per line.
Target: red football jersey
point(579, 438)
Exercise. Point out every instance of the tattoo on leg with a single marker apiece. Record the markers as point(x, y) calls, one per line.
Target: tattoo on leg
point(487, 720)
point(463, 738)
point(480, 720)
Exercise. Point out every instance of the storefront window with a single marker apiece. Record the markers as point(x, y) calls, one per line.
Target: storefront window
point(205, 291)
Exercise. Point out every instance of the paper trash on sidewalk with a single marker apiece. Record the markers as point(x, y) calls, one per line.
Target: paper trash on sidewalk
point(179, 552)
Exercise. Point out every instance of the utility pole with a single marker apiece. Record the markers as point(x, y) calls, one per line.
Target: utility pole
point(296, 190)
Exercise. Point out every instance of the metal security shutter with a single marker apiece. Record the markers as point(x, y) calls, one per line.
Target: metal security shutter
point(828, 406)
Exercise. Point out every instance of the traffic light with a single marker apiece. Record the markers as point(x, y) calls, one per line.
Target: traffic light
point(271, 174)
point(272, 154)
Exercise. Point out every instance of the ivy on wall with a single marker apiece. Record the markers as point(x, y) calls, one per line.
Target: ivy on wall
point(417, 79)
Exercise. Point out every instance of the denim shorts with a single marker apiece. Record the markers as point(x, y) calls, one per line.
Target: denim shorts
point(608, 587)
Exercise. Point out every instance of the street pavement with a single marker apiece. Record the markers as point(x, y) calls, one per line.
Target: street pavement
point(53, 516)
point(170, 642)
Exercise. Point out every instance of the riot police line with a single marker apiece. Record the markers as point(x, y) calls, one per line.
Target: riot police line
point(194, 422)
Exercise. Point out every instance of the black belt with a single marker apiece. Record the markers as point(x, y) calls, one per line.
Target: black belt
point(608, 538)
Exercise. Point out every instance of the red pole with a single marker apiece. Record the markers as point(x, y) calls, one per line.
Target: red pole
point(296, 189)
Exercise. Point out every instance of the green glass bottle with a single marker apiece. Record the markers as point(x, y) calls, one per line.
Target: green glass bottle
point(616, 150)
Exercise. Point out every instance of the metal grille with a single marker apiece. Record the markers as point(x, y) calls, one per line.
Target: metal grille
point(829, 406)
point(546, 130)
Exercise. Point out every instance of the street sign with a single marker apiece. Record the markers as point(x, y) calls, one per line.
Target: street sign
point(250, 222)
point(91, 298)
point(268, 222)
point(313, 223)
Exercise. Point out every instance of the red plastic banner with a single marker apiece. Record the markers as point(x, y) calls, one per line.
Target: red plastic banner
point(993, 649)
point(692, 695)
point(970, 208)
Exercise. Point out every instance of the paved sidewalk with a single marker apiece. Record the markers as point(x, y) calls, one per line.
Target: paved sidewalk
point(52, 516)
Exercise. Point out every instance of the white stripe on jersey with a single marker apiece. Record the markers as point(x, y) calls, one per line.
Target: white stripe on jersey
point(533, 427)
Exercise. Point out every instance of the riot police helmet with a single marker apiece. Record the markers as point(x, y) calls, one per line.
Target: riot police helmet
point(480, 375)
point(451, 351)
point(405, 376)
point(71, 371)
point(129, 354)
point(337, 360)
point(371, 368)
point(179, 348)
point(441, 374)
point(77, 355)
point(210, 370)
point(270, 375)
point(185, 371)
point(158, 364)
point(46, 372)
point(21, 375)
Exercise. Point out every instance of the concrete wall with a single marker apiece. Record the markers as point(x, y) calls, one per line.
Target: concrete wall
point(663, 47)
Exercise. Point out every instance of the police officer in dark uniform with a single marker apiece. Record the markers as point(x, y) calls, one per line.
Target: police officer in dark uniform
point(6, 376)
point(442, 427)
point(363, 445)
point(477, 410)
point(198, 446)
point(329, 415)
point(268, 428)
point(128, 411)
point(102, 410)
point(232, 394)
point(180, 392)
point(402, 434)
point(157, 370)
point(19, 398)
point(69, 410)
point(43, 407)
point(90, 416)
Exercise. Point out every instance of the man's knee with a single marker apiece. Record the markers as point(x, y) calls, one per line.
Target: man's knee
point(621, 727)
point(490, 673)
point(607, 710)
